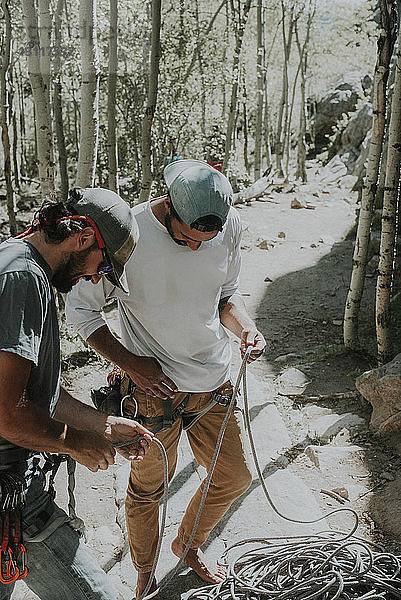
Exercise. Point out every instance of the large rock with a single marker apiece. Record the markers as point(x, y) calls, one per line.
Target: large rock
point(382, 388)
point(357, 127)
point(326, 111)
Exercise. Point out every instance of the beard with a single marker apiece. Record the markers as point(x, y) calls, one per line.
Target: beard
point(167, 223)
point(65, 274)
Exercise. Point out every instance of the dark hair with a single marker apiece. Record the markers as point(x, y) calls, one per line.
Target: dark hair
point(47, 220)
point(206, 223)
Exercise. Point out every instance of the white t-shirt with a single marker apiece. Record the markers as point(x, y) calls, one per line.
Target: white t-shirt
point(171, 311)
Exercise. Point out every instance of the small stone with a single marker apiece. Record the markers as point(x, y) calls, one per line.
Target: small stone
point(298, 203)
point(268, 279)
point(292, 382)
point(313, 246)
point(337, 322)
point(281, 235)
point(265, 245)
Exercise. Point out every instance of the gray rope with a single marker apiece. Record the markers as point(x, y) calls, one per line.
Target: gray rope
point(74, 521)
point(208, 479)
point(163, 522)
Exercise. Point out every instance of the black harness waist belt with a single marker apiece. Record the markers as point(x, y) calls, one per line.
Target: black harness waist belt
point(166, 420)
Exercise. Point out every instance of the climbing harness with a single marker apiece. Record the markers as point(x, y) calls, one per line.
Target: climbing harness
point(118, 398)
point(12, 550)
point(325, 566)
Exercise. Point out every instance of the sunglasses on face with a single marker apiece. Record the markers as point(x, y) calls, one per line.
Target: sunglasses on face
point(105, 267)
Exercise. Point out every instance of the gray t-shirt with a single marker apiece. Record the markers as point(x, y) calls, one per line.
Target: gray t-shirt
point(28, 320)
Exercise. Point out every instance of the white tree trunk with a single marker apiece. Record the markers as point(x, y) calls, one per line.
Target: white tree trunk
point(111, 99)
point(44, 134)
point(89, 94)
point(283, 107)
point(259, 88)
point(5, 99)
point(387, 242)
point(57, 102)
point(146, 144)
point(385, 46)
point(232, 111)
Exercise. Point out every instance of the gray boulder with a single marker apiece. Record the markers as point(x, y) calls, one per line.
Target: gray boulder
point(325, 112)
point(382, 388)
point(358, 126)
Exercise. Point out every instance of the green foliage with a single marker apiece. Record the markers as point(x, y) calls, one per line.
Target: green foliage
point(193, 103)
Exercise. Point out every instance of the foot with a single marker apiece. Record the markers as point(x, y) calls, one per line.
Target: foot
point(195, 560)
point(141, 584)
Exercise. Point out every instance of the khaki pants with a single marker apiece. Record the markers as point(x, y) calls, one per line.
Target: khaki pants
point(231, 476)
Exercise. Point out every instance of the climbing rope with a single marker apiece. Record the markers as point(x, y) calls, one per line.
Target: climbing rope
point(324, 566)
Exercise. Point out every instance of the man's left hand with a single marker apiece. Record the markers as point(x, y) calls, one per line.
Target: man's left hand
point(119, 429)
point(252, 337)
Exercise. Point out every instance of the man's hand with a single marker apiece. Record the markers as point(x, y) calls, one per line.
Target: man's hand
point(89, 448)
point(252, 337)
point(147, 374)
point(119, 429)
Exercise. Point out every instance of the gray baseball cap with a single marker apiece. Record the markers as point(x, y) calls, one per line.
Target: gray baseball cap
point(196, 189)
point(115, 222)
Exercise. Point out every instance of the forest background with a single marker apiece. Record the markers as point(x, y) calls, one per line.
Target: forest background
point(107, 93)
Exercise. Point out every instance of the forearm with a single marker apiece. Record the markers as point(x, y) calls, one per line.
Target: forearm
point(104, 342)
point(234, 316)
point(30, 427)
point(81, 416)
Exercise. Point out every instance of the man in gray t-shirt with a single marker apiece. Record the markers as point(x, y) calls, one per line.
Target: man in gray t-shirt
point(91, 236)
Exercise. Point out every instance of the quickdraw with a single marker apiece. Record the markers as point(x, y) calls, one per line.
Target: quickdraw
point(12, 551)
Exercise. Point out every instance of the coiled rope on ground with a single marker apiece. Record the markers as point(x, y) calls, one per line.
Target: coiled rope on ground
point(325, 566)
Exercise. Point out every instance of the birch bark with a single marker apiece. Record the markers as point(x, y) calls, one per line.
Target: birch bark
point(57, 102)
point(385, 45)
point(146, 143)
point(89, 94)
point(387, 242)
point(5, 99)
point(43, 127)
point(111, 98)
point(234, 90)
point(259, 88)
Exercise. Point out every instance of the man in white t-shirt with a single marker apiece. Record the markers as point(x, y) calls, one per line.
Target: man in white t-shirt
point(182, 280)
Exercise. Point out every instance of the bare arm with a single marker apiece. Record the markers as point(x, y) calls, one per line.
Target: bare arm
point(117, 429)
point(144, 371)
point(26, 425)
point(234, 316)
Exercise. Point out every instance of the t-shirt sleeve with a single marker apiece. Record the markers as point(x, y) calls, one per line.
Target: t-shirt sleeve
point(84, 306)
point(231, 284)
point(23, 308)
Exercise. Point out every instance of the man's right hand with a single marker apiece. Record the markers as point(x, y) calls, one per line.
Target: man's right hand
point(147, 374)
point(90, 449)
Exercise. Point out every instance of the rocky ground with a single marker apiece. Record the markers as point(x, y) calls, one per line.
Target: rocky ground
point(310, 426)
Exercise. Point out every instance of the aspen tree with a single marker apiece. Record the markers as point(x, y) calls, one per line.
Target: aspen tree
point(303, 56)
point(5, 99)
point(57, 102)
point(259, 88)
point(232, 111)
point(390, 202)
point(282, 120)
point(111, 98)
point(89, 94)
point(43, 126)
point(385, 45)
point(146, 142)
